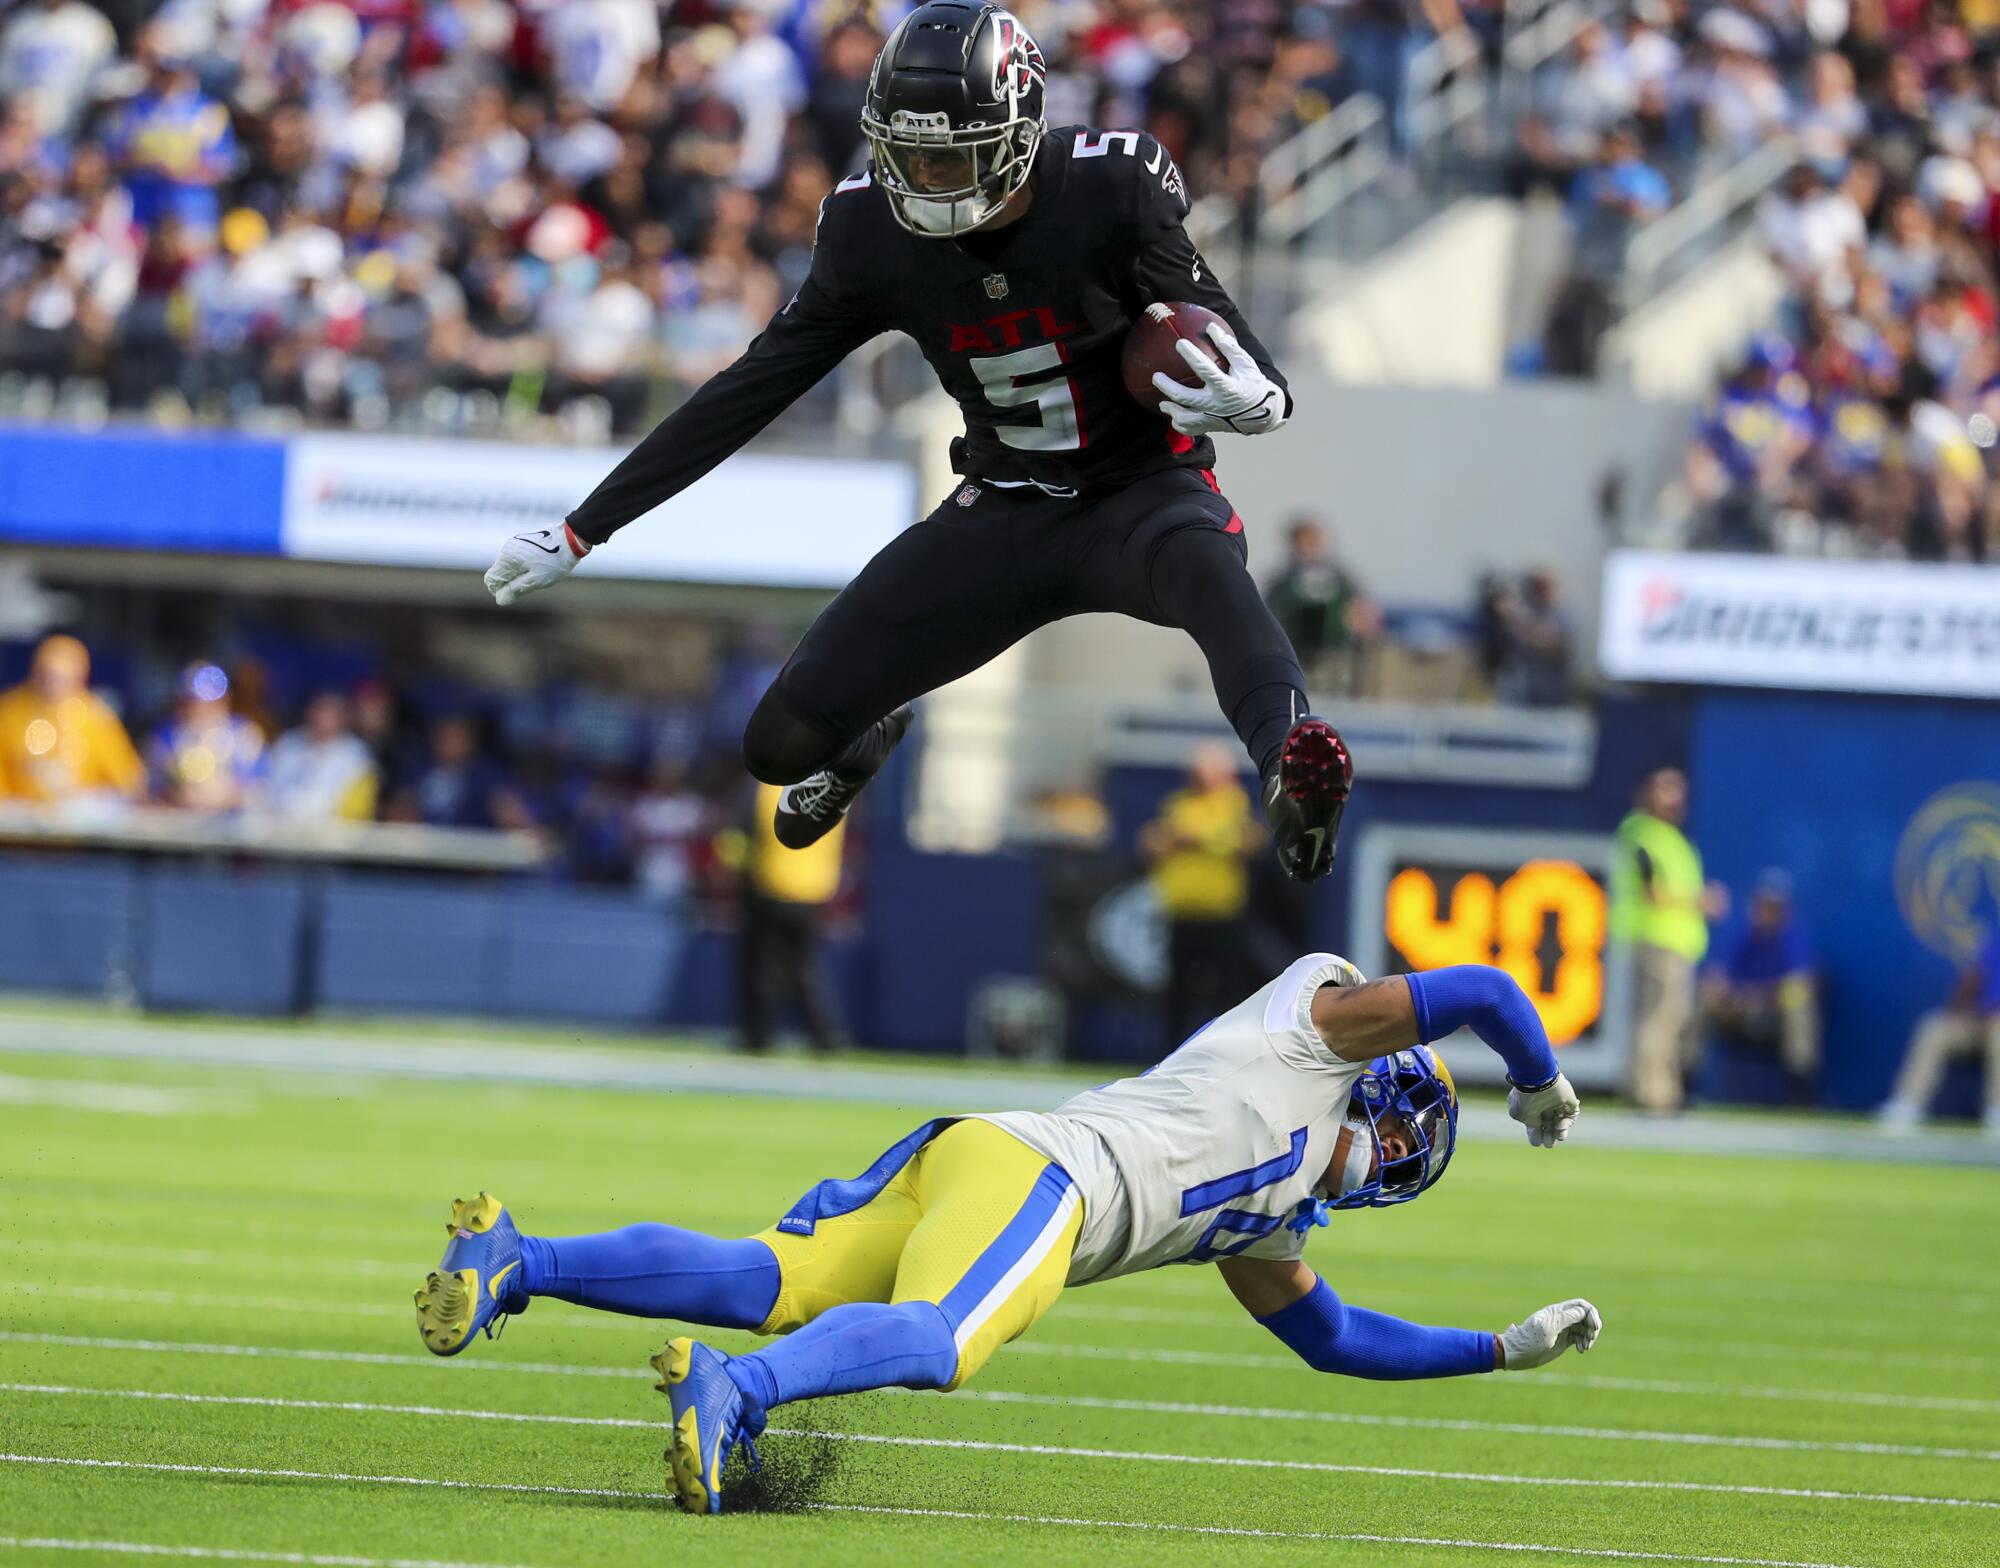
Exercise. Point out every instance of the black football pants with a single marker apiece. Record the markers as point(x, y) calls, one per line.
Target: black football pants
point(991, 565)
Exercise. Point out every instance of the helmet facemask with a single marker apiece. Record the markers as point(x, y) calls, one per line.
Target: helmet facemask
point(1415, 1088)
point(943, 182)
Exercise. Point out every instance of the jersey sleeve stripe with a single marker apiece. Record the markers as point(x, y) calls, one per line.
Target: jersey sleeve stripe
point(1209, 1193)
point(1012, 1256)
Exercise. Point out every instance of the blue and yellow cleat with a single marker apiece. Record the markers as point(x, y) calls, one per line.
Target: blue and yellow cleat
point(709, 1421)
point(478, 1279)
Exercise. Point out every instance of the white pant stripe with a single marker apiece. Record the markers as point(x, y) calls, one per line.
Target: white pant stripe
point(1029, 1260)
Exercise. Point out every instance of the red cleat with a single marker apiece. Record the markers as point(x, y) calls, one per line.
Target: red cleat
point(1305, 796)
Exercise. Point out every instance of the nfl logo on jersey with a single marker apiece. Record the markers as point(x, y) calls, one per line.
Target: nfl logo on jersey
point(996, 285)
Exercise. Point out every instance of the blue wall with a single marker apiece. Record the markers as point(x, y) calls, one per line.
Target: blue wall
point(140, 490)
point(1824, 786)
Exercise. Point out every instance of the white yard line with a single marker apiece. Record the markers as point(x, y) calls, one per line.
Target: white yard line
point(1229, 1462)
point(352, 1357)
point(226, 1554)
point(1508, 1428)
point(1391, 1274)
point(161, 1468)
point(1030, 1347)
point(1403, 1472)
point(401, 1311)
point(1319, 1467)
point(319, 1560)
point(1328, 1535)
point(1250, 1361)
point(1225, 1321)
point(1062, 1401)
point(272, 1402)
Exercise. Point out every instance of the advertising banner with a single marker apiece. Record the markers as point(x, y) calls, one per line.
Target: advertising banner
point(1863, 626)
point(766, 520)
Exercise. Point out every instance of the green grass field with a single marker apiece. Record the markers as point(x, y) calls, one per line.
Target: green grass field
point(207, 1347)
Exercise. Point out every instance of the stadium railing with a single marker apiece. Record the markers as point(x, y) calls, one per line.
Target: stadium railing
point(159, 830)
point(1664, 249)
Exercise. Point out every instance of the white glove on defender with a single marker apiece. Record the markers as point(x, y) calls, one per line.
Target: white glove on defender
point(1241, 398)
point(1548, 1112)
point(1548, 1333)
point(532, 561)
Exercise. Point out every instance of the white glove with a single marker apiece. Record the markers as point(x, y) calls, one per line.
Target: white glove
point(532, 561)
point(1548, 1333)
point(1548, 1112)
point(1240, 398)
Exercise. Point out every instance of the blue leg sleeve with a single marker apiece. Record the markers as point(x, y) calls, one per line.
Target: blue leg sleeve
point(656, 1271)
point(1492, 1006)
point(850, 1350)
point(1332, 1337)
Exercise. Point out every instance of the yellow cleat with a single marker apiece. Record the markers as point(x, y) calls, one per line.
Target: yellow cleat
point(477, 1281)
point(708, 1422)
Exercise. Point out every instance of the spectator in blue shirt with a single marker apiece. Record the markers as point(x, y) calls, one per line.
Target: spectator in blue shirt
point(175, 144)
point(1967, 1024)
point(455, 787)
point(1746, 451)
point(207, 757)
point(1759, 992)
point(1612, 198)
point(1608, 201)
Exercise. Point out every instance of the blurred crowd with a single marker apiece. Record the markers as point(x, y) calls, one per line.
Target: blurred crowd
point(1514, 645)
point(642, 793)
point(1864, 425)
point(472, 213)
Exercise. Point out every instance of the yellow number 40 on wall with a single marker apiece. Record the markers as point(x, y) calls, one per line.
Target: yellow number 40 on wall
point(1509, 925)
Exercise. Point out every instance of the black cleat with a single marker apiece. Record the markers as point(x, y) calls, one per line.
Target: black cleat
point(1304, 797)
point(812, 808)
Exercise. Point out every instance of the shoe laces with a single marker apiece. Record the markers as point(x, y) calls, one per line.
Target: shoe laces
point(825, 794)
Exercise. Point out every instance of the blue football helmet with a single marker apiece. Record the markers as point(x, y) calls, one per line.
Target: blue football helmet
point(1415, 1087)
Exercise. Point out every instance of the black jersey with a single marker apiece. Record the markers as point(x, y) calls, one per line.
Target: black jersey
point(1023, 325)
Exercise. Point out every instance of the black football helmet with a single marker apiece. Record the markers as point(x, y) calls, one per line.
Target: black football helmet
point(954, 115)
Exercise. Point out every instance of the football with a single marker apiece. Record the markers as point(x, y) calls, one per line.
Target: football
point(1149, 347)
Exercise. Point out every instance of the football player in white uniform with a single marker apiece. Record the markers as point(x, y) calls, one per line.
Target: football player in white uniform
point(1317, 1093)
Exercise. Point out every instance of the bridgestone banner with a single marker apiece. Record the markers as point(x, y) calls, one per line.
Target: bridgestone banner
point(1744, 620)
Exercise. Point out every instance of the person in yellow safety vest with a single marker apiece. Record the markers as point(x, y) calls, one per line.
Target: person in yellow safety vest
point(1660, 906)
point(58, 738)
point(1198, 846)
point(784, 897)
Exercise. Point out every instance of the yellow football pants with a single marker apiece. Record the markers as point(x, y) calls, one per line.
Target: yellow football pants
point(976, 1222)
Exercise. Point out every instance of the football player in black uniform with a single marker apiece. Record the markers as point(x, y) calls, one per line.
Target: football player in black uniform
point(1018, 258)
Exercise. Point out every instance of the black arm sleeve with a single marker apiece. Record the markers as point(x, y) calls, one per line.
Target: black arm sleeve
point(804, 341)
point(1168, 267)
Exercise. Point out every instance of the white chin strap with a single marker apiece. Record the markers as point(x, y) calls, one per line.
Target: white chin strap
point(942, 219)
point(1360, 1155)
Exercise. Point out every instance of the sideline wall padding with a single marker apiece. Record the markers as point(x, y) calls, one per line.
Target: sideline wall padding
point(220, 941)
point(66, 923)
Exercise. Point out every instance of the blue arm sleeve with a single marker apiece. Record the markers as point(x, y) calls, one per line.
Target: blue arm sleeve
point(1330, 1336)
point(1492, 1006)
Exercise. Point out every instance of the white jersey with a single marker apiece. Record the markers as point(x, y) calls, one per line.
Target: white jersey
point(1214, 1150)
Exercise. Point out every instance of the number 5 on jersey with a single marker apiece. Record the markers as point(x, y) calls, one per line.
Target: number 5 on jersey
point(1022, 378)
